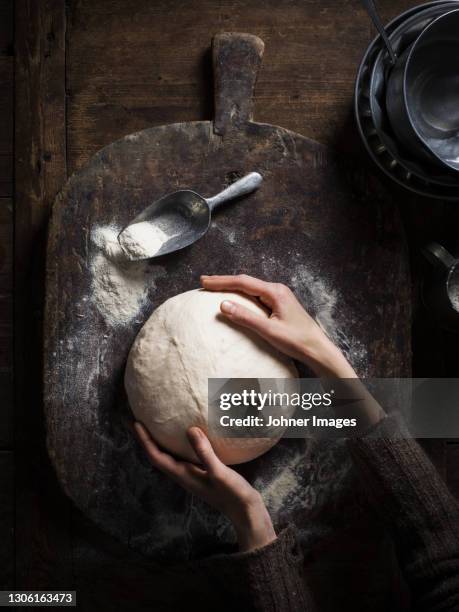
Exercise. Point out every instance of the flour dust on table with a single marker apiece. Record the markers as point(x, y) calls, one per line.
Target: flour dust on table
point(119, 287)
point(322, 299)
point(320, 296)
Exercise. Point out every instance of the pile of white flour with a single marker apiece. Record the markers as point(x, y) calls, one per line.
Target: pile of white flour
point(119, 287)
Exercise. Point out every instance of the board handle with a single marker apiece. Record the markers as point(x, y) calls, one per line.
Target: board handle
point(236, 61)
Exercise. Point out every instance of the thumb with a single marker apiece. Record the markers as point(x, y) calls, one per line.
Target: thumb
point(245, 317)
point(203, 449)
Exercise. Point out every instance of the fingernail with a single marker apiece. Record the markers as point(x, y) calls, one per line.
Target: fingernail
point(195, 431)
point(227, 307)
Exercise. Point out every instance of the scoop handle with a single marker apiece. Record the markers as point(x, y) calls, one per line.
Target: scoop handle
point(247, 184)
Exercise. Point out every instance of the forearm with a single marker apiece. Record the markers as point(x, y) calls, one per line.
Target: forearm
point(276, 577)
point(330, 365)
point(420, 513)
point(254, 529)
point(267, 579)
point(403, 486)
point(272, 565)
point(325, 359)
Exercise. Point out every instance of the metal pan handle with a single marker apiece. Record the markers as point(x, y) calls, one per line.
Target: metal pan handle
point(370, 7)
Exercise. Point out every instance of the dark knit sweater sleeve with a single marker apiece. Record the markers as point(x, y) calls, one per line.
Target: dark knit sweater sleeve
point(268, 579)
point(418, 509)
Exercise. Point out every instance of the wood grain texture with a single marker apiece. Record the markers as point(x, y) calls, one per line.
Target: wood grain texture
point(310, 220)
point(6, 280)
point(6, 410)
point(233, 93)
point(6, 224)
point(6, 323)
point(134, 65)
point(6, 520)
point(6, 97)
point(7, 502)
point(39, 171)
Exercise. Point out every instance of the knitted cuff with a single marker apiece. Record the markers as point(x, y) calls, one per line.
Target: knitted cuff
point(284, 547)
point(270, 578)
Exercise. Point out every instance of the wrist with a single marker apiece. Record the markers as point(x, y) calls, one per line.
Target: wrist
point(326, 360)
point(255, 529)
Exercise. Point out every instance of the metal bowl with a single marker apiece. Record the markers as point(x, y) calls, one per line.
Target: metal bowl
point(431, 88)
point(381, 145)
point(401, 38)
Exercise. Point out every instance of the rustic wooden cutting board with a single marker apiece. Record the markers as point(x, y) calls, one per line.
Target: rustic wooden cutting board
point(317, 224)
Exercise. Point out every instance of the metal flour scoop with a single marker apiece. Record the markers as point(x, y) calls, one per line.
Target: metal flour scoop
point(177, 220)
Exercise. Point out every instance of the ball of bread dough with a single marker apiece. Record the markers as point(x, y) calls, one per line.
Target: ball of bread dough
point(184, 342)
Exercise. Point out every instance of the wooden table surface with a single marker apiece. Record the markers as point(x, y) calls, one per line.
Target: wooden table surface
point(87, 73)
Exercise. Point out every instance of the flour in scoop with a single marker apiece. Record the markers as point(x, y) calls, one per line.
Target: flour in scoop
point(142, 240)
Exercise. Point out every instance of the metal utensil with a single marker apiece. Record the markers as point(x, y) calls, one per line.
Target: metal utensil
point(422, 97)
point(398, 164)
point(441, 291)
point(376, 19)
point(178, 220)
point(401, 38)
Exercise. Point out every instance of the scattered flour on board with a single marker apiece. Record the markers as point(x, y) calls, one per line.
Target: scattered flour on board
point(120, 287)
point(228, 233)
point(323, 298)
point(143, 240)
point(105, 237)
point(283, 486)
point(314, 290)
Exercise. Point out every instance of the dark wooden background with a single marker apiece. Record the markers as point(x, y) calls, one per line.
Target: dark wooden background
point(77, 74)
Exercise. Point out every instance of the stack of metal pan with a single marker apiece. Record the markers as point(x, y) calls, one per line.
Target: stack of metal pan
point(370, 109)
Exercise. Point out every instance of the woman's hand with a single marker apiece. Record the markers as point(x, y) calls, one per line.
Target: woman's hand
point(218, 485)
point(291, 330)
point(289, 327)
